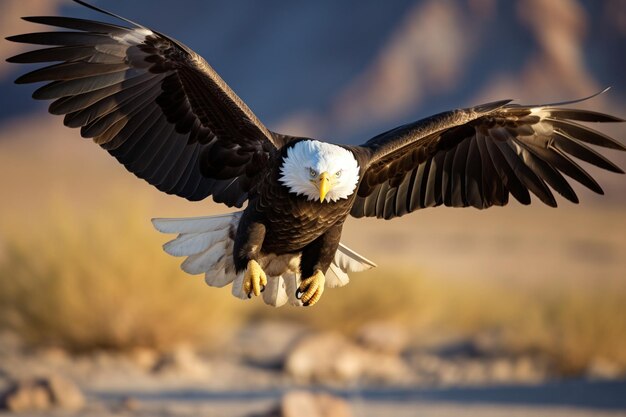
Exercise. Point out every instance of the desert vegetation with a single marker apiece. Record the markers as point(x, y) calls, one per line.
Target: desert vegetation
point(86, 280)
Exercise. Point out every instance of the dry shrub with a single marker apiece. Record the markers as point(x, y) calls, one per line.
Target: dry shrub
point(94, 278)
point(571, 323)
point(99, 279)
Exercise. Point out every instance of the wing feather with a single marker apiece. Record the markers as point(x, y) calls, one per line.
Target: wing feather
point(585, 134)
point(66, 88)
point(477, 156)
point(153, 103)
point(542, 169)
point(67, 54)
point(478, 166)
point(506, 173)
point(570, 145)
point(527, 178)
point(458, 175)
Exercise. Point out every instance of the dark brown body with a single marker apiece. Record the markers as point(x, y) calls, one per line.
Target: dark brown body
point(279, 222)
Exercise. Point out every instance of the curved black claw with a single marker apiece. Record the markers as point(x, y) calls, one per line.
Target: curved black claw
point(300, 292)
point(262, 288)
point(250, 294)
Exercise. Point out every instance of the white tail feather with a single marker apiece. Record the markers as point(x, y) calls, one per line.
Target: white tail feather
point(204, 261)
point(335, 277)
point(195, 224)
point(219, 278)
point(237, 289)
point(346, 260)
point(275, 293)
point(207, 242)
point(192, 243)
point(292, 282)
point(350, 261)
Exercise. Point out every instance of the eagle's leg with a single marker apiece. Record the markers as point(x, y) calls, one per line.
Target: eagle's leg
point(311, 288)
point(254, 281)
point(248, 241)
point(314, 262)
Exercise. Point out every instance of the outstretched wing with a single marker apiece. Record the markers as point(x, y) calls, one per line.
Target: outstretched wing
point(477, 156)
point(152, 103)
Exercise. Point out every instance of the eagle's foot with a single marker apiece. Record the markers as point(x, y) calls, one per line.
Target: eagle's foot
point(254, 281)
point(311, 288)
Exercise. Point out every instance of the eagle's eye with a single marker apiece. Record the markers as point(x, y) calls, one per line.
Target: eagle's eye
point(312, 173)
point(338, 174)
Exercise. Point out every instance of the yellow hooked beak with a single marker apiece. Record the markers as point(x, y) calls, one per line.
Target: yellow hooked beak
point(324, 185)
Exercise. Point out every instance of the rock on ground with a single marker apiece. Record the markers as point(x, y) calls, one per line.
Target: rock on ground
point(332, 358)
point(601, 368)
point(64, 393)
point(43, 394)
point(435, 370)
point(383, 337)
point(267, 343)
point(182, 363)
point(26, 396)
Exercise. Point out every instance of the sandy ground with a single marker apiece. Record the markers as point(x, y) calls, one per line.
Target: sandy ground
point(234, 387)
point(570, 398)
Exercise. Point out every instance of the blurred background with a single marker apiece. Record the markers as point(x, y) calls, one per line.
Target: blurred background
point(490, 308)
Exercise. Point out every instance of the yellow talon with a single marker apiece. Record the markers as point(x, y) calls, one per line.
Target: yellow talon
point(254, 281)
point(311, 288)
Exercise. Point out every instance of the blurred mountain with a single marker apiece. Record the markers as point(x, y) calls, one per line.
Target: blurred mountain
point(344, 71)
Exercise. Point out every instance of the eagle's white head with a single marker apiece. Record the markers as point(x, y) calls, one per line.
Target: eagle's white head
point(320, 171)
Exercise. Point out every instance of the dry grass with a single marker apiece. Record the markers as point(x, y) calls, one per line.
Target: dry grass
point(571, 324)
point(92, 279)
point(100, 280)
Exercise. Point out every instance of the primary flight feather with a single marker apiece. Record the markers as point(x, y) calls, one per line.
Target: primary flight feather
point(168, 117)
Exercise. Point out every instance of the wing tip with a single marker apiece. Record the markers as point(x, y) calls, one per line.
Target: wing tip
point(14, 38)
point(367, 264)
point(34, 19)
point(24, 79)
point(97, 9)
point(159, 225)
point(613, 119)
point(580, 100)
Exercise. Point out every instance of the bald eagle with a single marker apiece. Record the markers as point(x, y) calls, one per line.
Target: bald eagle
point(167, 116)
